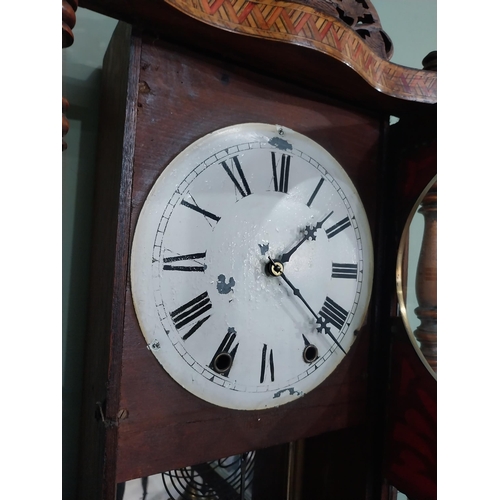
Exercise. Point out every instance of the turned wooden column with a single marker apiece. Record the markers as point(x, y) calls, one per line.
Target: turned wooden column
point(426, 280)
point(68, 23)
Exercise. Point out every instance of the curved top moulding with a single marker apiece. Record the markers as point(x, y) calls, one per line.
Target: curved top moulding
point(349, 31)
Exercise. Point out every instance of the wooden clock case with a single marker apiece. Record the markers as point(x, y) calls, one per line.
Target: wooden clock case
point(163, 88)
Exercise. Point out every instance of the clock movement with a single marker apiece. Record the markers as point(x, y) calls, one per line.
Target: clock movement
point(248, 201)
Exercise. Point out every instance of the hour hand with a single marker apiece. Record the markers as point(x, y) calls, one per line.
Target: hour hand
point(309, 233)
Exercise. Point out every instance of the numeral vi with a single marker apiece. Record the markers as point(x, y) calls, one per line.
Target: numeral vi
point(266, 360)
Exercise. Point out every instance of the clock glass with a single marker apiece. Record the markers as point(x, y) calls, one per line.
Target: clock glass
point(416, 276)
point(251, 266)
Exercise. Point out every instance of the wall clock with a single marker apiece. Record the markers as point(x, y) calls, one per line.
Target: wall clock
point(251, 266)
point(164, 93)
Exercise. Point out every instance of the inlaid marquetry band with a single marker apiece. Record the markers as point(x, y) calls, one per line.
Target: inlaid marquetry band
point(306, 26)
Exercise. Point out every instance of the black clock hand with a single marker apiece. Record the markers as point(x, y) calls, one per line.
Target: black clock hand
point(309, 232)
point(296, 291)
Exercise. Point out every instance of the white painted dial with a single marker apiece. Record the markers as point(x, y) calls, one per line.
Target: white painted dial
point(251, 266)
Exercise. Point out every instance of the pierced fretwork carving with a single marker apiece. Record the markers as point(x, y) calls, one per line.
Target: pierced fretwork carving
point(361, 16)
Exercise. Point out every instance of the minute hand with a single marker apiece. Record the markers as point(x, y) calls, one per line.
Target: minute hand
point(308, 233)
point(296, 292)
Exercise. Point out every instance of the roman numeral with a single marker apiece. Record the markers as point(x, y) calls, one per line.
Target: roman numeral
point(266, 360)
point(190, 312)
point(281, 179)
point(333, 313)
point(336, 228)
point(196, 208)
point(315, 192)
point(178, 258)
point(223, 358)
point(245, 189)
point(347, 271)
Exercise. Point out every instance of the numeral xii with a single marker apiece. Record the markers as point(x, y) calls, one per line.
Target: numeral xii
point(280, 178)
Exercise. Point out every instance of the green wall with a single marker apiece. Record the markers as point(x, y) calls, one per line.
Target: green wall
point(81, 79)
point(410, 24)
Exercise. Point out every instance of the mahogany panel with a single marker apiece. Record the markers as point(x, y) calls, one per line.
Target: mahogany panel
point(168, 428)
point(411, 460)
point(181, 97)
point(416, 168)
point(335, 465)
